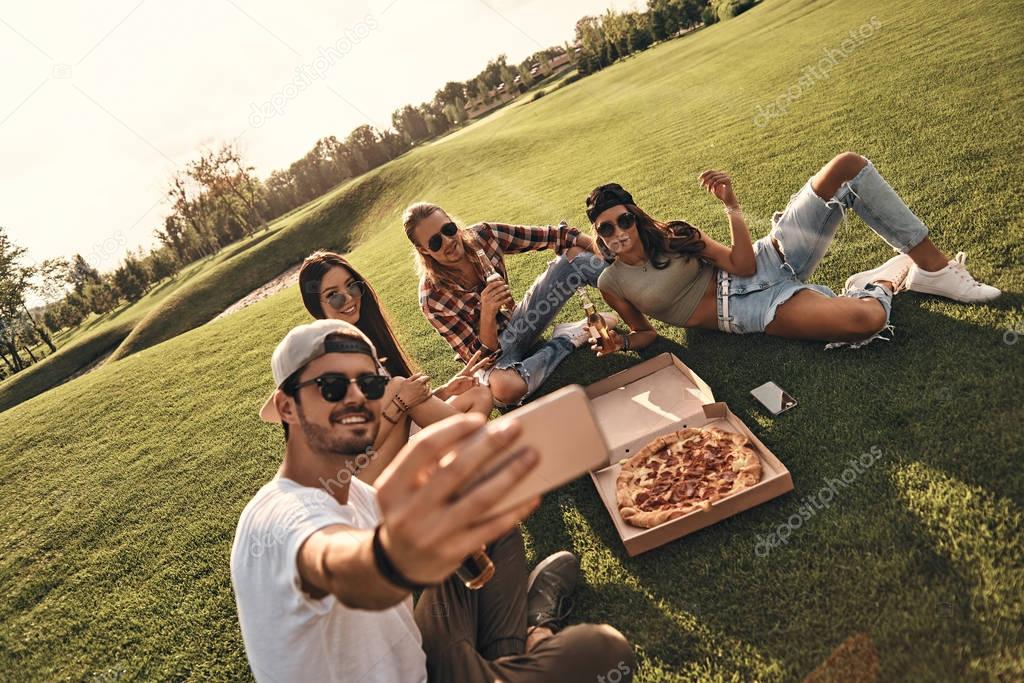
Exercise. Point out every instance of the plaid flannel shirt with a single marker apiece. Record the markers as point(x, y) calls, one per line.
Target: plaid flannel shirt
point(455, 312)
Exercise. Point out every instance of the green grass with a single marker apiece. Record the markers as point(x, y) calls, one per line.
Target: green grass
point(121, 489)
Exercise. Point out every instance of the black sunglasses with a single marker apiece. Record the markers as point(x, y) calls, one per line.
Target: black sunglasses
point(448, 230)
point(334, 385)
point(353, 290)
point(625, 221)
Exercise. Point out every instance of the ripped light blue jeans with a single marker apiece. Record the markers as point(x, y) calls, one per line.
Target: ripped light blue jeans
point(804, 231)
point(534, 313)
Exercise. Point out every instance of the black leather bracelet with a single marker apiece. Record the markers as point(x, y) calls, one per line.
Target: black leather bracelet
point(387, 569)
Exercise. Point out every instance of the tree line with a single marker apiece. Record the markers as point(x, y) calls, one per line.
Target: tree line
point(217, 199)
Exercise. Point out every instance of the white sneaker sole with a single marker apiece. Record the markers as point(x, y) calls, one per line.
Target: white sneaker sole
point(922, 288)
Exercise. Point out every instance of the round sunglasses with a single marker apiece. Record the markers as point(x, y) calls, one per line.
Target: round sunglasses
point(625, 221)
point(353, 290)
point(334, 385)
point(435, 241)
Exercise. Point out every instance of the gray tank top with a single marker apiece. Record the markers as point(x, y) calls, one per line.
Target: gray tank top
point(670, 295)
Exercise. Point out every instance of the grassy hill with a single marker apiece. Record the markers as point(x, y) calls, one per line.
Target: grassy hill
point(100, 337)
point(121, 488)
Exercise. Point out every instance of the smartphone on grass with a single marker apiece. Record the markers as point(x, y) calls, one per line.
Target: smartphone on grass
point(773, 397)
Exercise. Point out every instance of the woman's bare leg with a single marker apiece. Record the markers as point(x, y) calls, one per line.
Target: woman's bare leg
point(812, 315)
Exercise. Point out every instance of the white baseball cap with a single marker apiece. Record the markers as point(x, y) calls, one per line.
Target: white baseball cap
point(306, 343)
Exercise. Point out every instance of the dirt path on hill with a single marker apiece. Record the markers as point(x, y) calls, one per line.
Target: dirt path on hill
point(285, 279)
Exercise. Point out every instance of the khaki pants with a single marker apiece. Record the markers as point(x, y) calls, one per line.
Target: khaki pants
point(480, 636)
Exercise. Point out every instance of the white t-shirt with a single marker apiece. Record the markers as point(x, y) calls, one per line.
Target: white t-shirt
point(288, 635)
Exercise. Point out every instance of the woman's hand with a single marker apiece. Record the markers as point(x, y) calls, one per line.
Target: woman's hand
point(720, 185)
point(413, 390)
point(601, 348)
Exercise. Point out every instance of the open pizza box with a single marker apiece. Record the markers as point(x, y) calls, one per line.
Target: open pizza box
point(656, 397)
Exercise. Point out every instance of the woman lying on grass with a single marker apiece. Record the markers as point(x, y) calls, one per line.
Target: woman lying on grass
point(674, 273)
point(332, 288)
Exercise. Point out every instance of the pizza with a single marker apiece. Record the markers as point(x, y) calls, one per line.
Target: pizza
point(680, 472)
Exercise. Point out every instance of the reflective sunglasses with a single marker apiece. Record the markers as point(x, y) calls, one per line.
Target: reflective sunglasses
point(334, 385)
point(353, 290)
point(448, 230)
point(625, 221)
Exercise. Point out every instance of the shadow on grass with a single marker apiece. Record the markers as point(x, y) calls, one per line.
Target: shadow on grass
point(899, 396)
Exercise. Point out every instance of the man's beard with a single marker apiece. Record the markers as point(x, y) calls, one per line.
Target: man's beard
point(323, 441)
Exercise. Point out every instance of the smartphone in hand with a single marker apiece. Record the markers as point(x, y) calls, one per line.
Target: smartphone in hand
point(562, 428)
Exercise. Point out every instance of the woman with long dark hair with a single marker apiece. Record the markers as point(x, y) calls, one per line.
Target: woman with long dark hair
point(332, 288)
point(674, 273)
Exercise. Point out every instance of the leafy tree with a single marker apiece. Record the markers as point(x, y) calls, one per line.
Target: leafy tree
point(74, 310)
point(410, 123)
point(81, 273)
point(52, 278)
point(14, 284)
point(52, 317)
point(100, 297)
point(161, 264)
point(131, 280)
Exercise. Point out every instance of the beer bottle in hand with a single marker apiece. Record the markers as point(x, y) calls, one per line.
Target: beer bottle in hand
point(594, 319)
point(490, 274)
point(476, 570)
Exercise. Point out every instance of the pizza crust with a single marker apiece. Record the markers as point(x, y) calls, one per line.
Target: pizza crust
point(678, 473)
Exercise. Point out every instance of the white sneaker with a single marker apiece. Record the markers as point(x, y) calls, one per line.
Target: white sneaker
point(894, 270)
point(579, 332)
point(952, 282)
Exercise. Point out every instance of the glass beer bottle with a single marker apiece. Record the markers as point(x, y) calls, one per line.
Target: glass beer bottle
point(594, 319)
point(476, 570)
point(490, 274)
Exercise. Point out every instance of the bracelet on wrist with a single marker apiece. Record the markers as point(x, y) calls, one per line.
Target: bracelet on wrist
point(387, 568)
point(737, 210)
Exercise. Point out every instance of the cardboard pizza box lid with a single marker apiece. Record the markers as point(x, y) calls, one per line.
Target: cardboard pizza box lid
point(646, 399)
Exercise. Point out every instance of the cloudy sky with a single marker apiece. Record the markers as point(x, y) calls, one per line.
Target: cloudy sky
point(102, 101)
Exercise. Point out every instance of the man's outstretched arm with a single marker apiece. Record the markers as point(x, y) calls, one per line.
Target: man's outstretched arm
point(427, 527)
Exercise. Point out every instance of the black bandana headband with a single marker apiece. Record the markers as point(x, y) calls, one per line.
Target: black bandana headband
point(340, 344)
point(604, 197)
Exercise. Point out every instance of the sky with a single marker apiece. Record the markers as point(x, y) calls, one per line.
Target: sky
point(102, 102)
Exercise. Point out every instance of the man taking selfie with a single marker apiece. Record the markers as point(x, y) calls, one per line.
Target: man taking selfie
point(324, 565)
point(464, 294)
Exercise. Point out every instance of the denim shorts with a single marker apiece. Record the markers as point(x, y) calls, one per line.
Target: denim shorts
point(748, 304)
